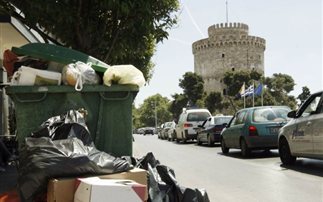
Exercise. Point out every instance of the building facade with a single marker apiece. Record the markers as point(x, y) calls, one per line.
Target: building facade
point(229, 47)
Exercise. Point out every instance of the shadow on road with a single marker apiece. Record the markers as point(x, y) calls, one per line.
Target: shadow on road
point(308, 166)
point(206, 145)
point(253, 155)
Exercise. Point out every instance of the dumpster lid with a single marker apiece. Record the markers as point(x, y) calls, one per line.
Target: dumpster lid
point(58, 54)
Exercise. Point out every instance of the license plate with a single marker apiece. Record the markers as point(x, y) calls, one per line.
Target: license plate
point(274, 131)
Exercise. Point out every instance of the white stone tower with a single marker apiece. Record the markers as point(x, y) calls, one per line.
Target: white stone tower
point(228, 48)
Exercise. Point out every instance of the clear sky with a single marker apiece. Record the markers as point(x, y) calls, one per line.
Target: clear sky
point(292, 30)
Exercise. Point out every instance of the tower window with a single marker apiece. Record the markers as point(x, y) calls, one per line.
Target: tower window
point(224, 92)
point(222, 55)
point(233, 69)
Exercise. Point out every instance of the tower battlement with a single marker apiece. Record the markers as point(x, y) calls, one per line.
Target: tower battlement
point(229, 47)
point(232, 28)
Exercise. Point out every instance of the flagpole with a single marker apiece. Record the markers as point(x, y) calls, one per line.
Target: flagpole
point(262, 96)
point(244, 98)
point(253, 94)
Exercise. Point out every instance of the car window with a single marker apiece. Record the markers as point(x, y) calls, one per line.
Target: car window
point(312, 106)
point(270, 114)
point(197, 116)
point(221, 120)
point(239, 118)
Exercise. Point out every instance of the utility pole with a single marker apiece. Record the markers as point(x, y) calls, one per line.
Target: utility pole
point(155, 115)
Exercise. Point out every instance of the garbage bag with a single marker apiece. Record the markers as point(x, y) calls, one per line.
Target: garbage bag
point(163, 186)
point(123, 74)
point(43, 158)
point(79, 73)
point(68, 125)
point(62, 147)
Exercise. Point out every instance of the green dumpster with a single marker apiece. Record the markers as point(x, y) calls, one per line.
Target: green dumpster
point(109, 109)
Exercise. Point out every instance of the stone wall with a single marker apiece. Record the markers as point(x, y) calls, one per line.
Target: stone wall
point(228, 48)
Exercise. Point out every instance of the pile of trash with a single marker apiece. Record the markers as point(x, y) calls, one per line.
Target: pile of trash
point(63, 148)
point(29, 67)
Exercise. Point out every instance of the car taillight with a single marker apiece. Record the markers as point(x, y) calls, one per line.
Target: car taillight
point(217, 130)
point(253, 131)
point(187, 125)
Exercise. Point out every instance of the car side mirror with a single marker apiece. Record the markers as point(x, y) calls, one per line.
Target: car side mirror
point(291, 114)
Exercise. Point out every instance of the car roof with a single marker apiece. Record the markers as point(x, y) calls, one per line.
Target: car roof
point(261, 107)
point(197, 110)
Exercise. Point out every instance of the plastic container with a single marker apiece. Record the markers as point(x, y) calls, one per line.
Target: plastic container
point(109, 111)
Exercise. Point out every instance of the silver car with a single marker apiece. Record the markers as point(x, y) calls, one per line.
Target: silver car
point(303, 135)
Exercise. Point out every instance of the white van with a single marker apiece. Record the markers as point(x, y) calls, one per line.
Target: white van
point(188, 123)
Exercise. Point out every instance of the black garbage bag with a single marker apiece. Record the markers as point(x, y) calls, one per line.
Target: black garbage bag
point(43, 158)
point(68, 125)
point(163, 186)
point(62, 148)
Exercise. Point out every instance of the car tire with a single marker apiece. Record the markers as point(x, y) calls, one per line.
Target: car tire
point(198, 141)
point(285, 154)
point(224, 148)
point(245, 151)
point(209, 141)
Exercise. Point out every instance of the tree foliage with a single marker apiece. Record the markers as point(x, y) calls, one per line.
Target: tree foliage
point(304, 95)
point(193, 87)
point(117, 32)
point(177, 105)
point(235, 79)
point(146, 112)
point(213, 101)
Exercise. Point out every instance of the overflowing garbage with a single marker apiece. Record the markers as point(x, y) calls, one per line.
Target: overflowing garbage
point(47, 64)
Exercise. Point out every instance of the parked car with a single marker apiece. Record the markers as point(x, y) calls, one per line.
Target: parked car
point(210, 130)
point(303, 135)
point(164, 131)
point(149, 130)
point(171, 135)
point(254, 128)
point(188, 123)
point(159, 134)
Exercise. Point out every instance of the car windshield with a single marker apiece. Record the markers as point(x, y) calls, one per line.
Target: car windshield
point(269, 114)
point(197, 116)
point(221, 120)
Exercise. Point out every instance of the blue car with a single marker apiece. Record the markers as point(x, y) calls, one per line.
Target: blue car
point(254, 128)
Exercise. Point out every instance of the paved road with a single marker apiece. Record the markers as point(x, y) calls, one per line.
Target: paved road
point(260, 178)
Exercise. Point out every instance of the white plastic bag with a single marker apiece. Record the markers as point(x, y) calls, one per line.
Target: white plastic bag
point(30, 76)
point(79, 73)
point(123, 74)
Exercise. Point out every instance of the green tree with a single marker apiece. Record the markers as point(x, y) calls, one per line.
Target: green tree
point(235, 79)
point(147, 111)
point(304, 95)
point(278, 87)
point(193, 87)
point(177, 105)
point(117, 32)
point(213, 102)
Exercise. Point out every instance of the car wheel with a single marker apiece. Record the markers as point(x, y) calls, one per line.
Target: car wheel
point(209, 140)
point(285, 154)
point(198, 141)
point(245, 151)
point(224, 148)
point(183, 139)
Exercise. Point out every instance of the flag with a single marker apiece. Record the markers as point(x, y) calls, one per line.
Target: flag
point(258, 90)
point(242, 89)
point(249, 91)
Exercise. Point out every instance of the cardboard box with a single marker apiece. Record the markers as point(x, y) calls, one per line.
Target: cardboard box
point(95, 189)
point(62, 190)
